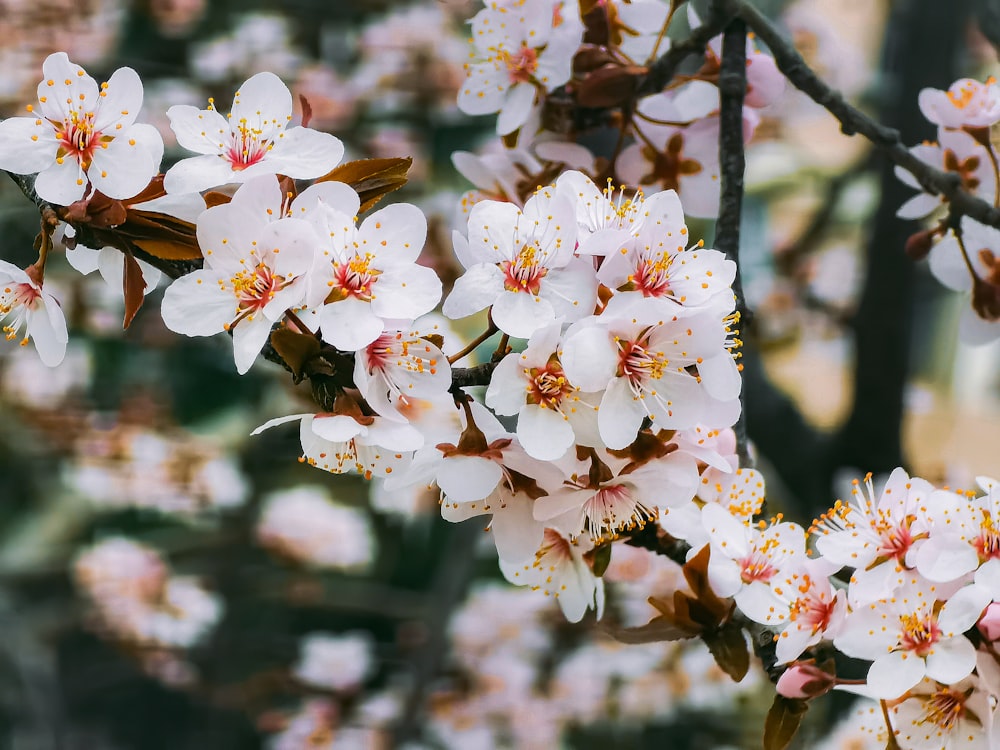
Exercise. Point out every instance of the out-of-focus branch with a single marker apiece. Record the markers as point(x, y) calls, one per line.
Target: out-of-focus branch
point(732, 164)
point(854, 122)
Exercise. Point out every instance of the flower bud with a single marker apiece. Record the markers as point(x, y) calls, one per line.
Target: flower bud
point(804, 680)
point(989, 623)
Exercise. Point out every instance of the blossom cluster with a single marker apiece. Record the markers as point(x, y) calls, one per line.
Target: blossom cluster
point(962, 257)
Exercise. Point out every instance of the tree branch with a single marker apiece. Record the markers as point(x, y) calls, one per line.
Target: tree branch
point(663, 70)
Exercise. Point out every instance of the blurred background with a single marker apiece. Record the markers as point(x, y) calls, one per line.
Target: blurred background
point(168, 582)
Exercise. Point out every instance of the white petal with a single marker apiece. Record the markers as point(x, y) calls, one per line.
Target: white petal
point(544, 433)
point(516, 108)
point(305, 154)
point(203, 131)
point(893, 674)
point(468, 478)
point(27, 145)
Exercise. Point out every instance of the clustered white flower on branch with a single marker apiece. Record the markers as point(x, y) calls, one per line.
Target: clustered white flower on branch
point(626, 385)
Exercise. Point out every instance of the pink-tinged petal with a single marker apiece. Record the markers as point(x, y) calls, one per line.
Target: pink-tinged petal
point(521, 314)
point(195, 305)
point(963, 610)
point(349, 324)
point(765, 83)
point(951, 660)
point(473, 291)
point(119, 102)
point(263, 101)
point(589, 358)
point(544, 433)
point(342, 198)
point(620, 415)
point(47, 327)
point(516, 533)
point(304, 153)
point(516, 108)
point(203, 131)
point(249, 337)
point(893, 674)
point(484, 90)
point(61, 184)
point(336, 428)
point(792, 642)
point(492, 226)
point(123, 167)
point(466, 479)
point(198, 173)
point(27, 145)
point(945, 557)
point(397, 231)
point(279, 421)
point(394, 436)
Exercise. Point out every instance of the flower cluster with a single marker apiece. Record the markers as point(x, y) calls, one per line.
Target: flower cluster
point(963, 257)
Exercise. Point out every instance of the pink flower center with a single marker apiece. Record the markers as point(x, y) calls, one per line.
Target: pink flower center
point(614, 509)
point(756, 567)
point(78, 138)
point(944, 708)
point(15, 302)
point(524, 273)
point(356, 278)
point(920, 633)
point(811, 610)
point(651, 276)
point(895, 541)
point(987, 544)
point(521, 66)
point(246, 147)
point(547, 386)
point(639, 364)
point(253, 290)
point(554, 551)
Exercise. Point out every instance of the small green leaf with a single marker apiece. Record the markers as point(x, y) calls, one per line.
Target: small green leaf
point(601, 558)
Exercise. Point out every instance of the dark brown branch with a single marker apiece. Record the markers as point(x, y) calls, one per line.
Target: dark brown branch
point(732, 165)
point(855, 122)
point(988, 18)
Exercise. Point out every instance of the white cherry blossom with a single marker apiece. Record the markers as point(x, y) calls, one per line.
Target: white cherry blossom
point(82, 135)
point(253, 140)
point(30, 312)
point(967, 102)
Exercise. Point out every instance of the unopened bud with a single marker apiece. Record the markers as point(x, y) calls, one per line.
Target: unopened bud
point(989, 623)
point(804, 680)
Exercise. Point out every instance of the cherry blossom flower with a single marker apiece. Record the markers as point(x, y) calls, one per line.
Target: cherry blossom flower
point(519, 52)
point(552, 414)
point(966, 103)
point(399, 366)
point(560, 570)
point(876, 537)
point(26, 306)
point(522, 264)
point(801, 605)
point(110, 262)
point(254, 140)
point(368, 275)
point(82, 135)
point(917, 632)
point(933, 716)
point(602, 496)
point(955, 152)
point(335, 662)
point(644, 361)
point(254, 271)
point(340, 444)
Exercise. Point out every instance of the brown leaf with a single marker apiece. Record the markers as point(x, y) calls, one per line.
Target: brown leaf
point(783, 721)
point(657, 630)
point(371, 178)
point(307, 111)
point(214, 198)
point(133, 285)
point(729, 647)
point(168, 249)
point(295, 348)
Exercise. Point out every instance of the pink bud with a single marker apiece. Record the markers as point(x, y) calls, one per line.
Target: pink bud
point(989, 623)
point(804, 680)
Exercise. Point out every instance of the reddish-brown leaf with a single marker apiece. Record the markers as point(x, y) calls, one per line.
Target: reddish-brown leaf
point(783, 721)
point(169, 249)
point(657, 630)
point(307, 111)
point(729, 647)
point(295, 348)
point(371, 178)
point(133, 285)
